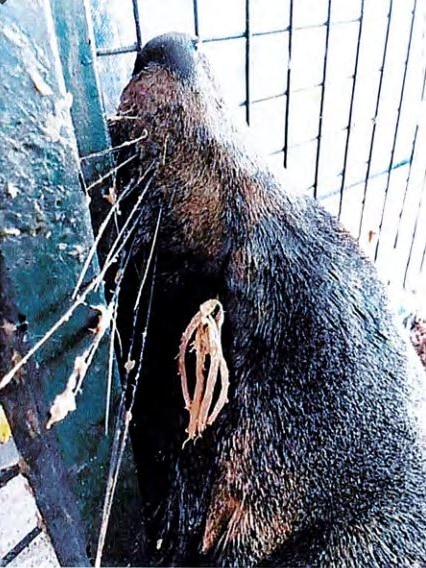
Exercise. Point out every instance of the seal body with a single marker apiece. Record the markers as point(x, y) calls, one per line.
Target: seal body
point(317, 459)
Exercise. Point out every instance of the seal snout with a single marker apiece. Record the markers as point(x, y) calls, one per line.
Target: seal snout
point(173, 51)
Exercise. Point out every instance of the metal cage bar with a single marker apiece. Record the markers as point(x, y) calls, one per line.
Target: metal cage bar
point(248, 62)
point(277, 31)
point(351, 107)
point(423, 255)
point(395, 137)
point(413, 150)
point(416, 224)
point(288, 87)
point(324, 78)
point(196, 19)
point(102, 51)
point(378, 82)
point(266, 99)
point(136, 17)
point(216, 39)
point(376, 112)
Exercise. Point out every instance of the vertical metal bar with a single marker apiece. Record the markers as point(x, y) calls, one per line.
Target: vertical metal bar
point(376, 112)
point(413, 150)
point(76, 43)
point(324, 77)
point(196, 20)
point(248, 54)
point(137, 24)
point(345, 159)
point(423, 255)
point(416, 222)
point(288, 87)
point(395, 136)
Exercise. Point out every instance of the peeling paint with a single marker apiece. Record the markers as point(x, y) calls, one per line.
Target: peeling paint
point(40, 84)
point(14, 35)
point(11, 190)
point(10, 232)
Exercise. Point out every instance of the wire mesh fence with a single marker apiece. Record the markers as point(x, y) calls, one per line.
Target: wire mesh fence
point(333, 90)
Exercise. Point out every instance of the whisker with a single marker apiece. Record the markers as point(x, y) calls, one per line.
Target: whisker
point(111, 172)
point(110, 364)
point(122, 117)
point(122, 428)
point(114, 148)
point(5, 380)
point(118, 246)
point(114, 332)
point(118, 446)
point(113, 210)
point(142, 285)
point(81, 298)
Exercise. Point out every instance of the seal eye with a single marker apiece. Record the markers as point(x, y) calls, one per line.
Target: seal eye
point(195, 43)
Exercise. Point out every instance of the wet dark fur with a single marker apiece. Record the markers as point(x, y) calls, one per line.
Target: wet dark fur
point(316, 460)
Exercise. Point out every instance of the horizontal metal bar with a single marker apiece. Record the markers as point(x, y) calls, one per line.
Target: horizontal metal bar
point(303, 143)
point(343, 22)
point(314, 138)
point(263, 99)
point(298, 90)
point(102, 51)
point(278, 31)
point(214, 39)
point(350, 186)
point(400, 164)
point(325, 23)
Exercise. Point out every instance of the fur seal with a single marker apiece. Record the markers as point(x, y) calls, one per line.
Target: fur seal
point(318, 457)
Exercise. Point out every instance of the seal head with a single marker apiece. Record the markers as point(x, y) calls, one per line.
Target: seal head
point(317, 458)
point(174, 52)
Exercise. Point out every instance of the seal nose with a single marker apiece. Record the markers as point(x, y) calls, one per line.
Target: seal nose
point(174, 52)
